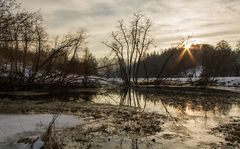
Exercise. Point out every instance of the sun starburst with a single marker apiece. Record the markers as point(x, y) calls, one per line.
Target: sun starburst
point(186, 50)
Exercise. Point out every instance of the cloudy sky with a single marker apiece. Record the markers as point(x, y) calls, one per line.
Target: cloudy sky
point(208, 21)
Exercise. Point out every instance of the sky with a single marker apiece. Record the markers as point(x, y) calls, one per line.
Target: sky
point(208, 21)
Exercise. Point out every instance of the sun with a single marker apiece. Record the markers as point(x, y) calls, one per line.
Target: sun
point(188, 45)
point(187, 50)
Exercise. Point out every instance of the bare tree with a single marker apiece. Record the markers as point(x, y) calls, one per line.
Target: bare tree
point(18, 36)
point(67, 49)
point(72, 54)
point(130, 43)
point(89, 64)
point(27, 55)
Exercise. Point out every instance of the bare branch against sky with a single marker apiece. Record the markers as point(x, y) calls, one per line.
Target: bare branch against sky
point(207, 20)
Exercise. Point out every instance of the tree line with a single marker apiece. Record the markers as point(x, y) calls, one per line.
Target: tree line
point(210, 61)
point(131, 44)
point(29, 57)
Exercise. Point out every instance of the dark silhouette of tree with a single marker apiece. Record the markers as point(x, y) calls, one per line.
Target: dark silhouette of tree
point(226, 64)
point(89, 65)
point(27, 57)
point(108, 67)
point(208, 63)
point(223, 45)
point(237, 59)
point(130, 45)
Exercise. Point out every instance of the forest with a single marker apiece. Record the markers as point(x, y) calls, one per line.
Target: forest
point(30, 58)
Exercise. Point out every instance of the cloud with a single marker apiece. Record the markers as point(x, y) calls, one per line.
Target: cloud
point(205, 19)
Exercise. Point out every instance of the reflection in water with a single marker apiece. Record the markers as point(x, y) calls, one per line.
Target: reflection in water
point(197, 113)
point(150, 100)
point(131, 97)
point(154, 100)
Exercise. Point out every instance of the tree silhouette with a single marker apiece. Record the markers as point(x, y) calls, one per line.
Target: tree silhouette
point(130, 45)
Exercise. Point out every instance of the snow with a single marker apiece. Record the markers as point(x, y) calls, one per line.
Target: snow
point(14, 127)
point(223, 81)
point(38, 144)
point(228, 81)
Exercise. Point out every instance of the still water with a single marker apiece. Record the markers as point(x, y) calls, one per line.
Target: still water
point(196, 113)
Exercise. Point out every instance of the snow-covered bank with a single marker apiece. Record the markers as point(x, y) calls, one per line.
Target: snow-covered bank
point(16, 126)
point(224, 81)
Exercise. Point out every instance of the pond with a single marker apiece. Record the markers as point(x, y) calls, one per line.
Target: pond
point(195, 113)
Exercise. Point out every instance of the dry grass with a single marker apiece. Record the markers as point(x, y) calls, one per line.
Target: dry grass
point(49, 137)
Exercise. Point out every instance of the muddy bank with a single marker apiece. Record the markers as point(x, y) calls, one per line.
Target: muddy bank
point(28, 86)
point(99, 122)
point(113, 128)
point(123, 118)
point(231, 132)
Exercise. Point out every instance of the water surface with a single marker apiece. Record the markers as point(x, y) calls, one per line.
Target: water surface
point(195, 112)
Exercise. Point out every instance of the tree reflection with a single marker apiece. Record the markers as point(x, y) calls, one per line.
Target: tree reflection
point(185, 103)
point(131, 97)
